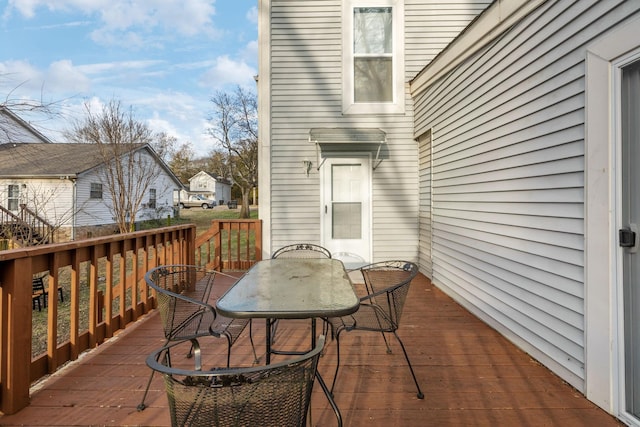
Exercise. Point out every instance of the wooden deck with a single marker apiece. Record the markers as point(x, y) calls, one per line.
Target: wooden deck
point(470, 375)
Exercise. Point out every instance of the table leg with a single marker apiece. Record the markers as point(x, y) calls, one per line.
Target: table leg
point(330, 398)
point(268, 361)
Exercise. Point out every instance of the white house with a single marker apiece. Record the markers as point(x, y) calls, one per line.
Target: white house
point(211, 186)
point(64, 184)
point(492, 143)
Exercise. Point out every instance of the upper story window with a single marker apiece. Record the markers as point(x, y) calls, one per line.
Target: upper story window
point(96, 191)
point(373, 77)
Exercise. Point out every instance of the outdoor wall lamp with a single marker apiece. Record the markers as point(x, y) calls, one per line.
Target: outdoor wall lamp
point(307, 166)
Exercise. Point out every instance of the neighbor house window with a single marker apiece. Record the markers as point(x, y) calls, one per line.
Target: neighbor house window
point(13, 197)
point(96, 191)
point(152, 198)
point(373, 77)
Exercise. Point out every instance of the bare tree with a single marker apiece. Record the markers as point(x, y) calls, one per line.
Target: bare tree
point(235, 129)
point(182, 162)
point(23, 106)
point(129, 172)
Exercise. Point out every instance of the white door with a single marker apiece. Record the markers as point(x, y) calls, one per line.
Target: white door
point(346, 208)
point(629, 235)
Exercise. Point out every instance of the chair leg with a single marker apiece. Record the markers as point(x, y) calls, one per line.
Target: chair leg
point(335, 375)
point(256, 360)
point(406, 356)
point(141, 406)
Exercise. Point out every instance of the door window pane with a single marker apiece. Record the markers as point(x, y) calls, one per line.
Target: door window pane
point(347, 221)
point(346, 208)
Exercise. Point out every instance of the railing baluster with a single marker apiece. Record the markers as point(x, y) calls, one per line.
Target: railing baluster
point(103, 257)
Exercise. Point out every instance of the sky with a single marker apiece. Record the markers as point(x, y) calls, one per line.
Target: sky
point(164, 59)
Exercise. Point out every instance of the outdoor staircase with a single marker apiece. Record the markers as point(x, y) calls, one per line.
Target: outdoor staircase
point(25, 228)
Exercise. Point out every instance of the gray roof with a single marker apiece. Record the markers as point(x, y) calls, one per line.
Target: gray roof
point(46, 159)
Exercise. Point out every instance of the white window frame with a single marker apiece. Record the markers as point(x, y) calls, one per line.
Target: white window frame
point(94, 189)
point(153, 198)
point(13, 198)
point(349, 106)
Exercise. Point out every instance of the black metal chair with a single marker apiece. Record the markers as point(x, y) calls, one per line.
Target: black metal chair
point(183, 293)
point(387, 284)
point(273, 395)
point(40, 295)
point(302, 251)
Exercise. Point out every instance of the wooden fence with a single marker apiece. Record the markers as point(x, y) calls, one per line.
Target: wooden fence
point(104, 290)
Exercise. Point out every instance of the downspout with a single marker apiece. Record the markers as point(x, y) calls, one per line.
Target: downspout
point(74, 204)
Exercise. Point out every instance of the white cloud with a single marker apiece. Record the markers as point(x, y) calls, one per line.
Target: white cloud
point(65, 77)
point(228, 72)
point(130, 22)
point(252, 15)
point(60, 77)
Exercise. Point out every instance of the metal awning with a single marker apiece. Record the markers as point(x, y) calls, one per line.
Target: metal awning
point(331, 141)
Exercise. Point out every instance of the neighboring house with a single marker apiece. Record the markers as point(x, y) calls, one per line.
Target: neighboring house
point(64, 185)
point(501, 160)
point(204, 184)
point(211, 186)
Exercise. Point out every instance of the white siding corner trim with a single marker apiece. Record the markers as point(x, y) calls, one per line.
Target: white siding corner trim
point(602, 365)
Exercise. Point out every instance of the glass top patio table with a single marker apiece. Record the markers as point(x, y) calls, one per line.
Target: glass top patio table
point(292, 288)
point(285, 288)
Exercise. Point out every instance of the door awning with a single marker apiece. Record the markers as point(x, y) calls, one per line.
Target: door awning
point(331, 142)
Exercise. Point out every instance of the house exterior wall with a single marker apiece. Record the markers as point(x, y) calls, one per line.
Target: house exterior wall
point(204, 183)
point(50, 199)
point(94, 212)
point(508, 181)
point(300, 87)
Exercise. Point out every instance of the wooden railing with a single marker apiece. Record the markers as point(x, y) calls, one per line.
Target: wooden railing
point(104, 290)
point(26, 226)
point(230, 245)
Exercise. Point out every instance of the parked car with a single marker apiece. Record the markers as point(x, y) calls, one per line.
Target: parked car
point(197, 201)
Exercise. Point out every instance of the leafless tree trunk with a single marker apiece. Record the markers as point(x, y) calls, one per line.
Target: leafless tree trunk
point(235, 128)
point(129, 172)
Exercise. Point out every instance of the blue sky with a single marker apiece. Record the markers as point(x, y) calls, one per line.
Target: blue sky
point(164, 58)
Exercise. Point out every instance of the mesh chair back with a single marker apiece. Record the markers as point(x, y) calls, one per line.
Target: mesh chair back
point(302, 250)
point(388, 285)
point(182, 292)
point(272, 395)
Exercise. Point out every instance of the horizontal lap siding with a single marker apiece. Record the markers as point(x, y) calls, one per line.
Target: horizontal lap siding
point(306, 92)
point(305, 87)
point(508, 179)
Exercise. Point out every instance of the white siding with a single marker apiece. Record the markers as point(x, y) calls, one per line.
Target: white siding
point(99, 211)
point(508, 179)
point(50, 199)
point(306, 92)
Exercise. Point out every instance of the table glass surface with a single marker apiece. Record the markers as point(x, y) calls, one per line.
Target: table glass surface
point(284, 288)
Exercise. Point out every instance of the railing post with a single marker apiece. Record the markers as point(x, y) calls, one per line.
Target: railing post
point(15, 342)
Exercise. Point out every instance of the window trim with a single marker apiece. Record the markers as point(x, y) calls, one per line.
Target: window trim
point(397, 106)
point(153, 198)
point(11, 198)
